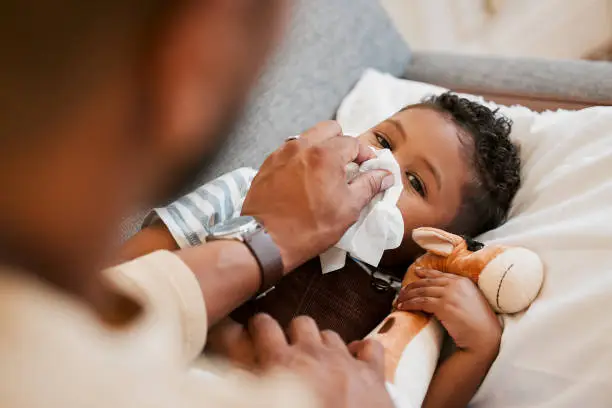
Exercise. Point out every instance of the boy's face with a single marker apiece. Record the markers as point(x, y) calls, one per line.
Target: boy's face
point(428, 149)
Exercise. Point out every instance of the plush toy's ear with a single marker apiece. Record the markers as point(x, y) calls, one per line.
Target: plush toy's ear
point(436, 241)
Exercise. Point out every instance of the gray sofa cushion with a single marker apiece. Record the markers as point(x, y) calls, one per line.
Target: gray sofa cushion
point(329, 44)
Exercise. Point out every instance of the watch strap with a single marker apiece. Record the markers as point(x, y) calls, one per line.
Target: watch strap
point(268, 256)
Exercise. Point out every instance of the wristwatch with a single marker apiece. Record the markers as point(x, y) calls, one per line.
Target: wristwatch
point(252, 233)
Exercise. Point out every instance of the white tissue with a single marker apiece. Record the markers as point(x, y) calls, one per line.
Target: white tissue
point(380, 225)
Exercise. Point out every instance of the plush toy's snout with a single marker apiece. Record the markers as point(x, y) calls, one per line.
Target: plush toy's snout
point(512, 280)
point(509, 277)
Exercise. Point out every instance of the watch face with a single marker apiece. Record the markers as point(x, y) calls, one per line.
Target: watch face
point(235, 226)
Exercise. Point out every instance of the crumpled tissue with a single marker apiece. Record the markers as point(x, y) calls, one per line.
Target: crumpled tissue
point(380, 225)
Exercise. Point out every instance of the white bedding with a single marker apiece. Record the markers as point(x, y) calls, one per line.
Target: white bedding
point(559, 352)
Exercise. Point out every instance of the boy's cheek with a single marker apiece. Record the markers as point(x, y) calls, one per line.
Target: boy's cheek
point(414, 216)
point(414, 213)
point(403, 204)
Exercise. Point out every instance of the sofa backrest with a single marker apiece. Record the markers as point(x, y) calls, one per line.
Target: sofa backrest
point(329, 44)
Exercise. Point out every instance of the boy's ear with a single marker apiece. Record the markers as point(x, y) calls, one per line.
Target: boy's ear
point(436, 241)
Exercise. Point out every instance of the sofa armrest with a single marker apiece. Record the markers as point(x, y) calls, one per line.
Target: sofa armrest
point(539, 84)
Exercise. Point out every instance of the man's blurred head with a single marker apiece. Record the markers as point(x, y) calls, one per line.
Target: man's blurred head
point(105, 105)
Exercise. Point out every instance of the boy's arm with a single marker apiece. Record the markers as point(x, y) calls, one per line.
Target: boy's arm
point(153, 238)
point(469, 320)
point(185, 222)
point(457, 379)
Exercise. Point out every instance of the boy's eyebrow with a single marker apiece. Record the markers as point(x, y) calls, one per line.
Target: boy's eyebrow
point(434, 171)
point(398, 126)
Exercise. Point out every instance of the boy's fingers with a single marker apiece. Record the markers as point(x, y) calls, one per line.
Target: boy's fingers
point(423, 282)
point(422, 292)
point(428, 273)
point(421, 304)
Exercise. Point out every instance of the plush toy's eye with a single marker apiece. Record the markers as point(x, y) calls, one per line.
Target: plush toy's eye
point(472, 244)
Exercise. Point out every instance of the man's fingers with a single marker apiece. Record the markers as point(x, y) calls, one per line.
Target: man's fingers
point(366, 186)
point(224, 335)
point(349, 149)
point(320, 132)
point(333, 339)
point(369, 351)
point(231, 340)
point(365, 153)
point(268, 337)
point(303, 329)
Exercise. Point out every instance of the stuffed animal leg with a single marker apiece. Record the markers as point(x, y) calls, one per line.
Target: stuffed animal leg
point(509, 277)
point(412, 343)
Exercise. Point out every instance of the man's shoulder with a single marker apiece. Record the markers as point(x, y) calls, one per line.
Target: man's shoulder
point(56, 352)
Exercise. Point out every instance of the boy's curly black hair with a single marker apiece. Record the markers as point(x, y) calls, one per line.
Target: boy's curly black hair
point(495, 160)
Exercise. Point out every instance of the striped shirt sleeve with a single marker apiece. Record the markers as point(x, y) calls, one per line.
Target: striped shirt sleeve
point(190, 217)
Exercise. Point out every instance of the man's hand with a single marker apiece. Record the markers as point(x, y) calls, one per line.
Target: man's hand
point(341, 376)
point(458, 305)
point(301, 195)
point(231, 340)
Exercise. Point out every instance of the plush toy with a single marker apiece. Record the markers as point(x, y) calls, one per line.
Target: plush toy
point(509, 277)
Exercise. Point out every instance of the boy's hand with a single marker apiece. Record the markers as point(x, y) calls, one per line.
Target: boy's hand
point(458, 305)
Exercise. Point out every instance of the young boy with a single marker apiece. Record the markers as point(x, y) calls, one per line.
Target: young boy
point(460, 172)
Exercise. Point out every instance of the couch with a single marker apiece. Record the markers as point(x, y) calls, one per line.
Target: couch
point(330, 42)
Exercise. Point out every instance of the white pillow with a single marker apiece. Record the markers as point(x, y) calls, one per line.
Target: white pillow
point(559, 352)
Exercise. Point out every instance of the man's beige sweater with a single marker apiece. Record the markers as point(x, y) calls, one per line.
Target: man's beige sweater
point(55, 352)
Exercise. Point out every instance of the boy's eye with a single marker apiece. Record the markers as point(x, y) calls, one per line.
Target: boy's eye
point(382, 141)
point(417, 184)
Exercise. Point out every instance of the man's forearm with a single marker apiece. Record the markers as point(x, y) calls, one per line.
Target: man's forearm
point(226, 270)
point(228, 275)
